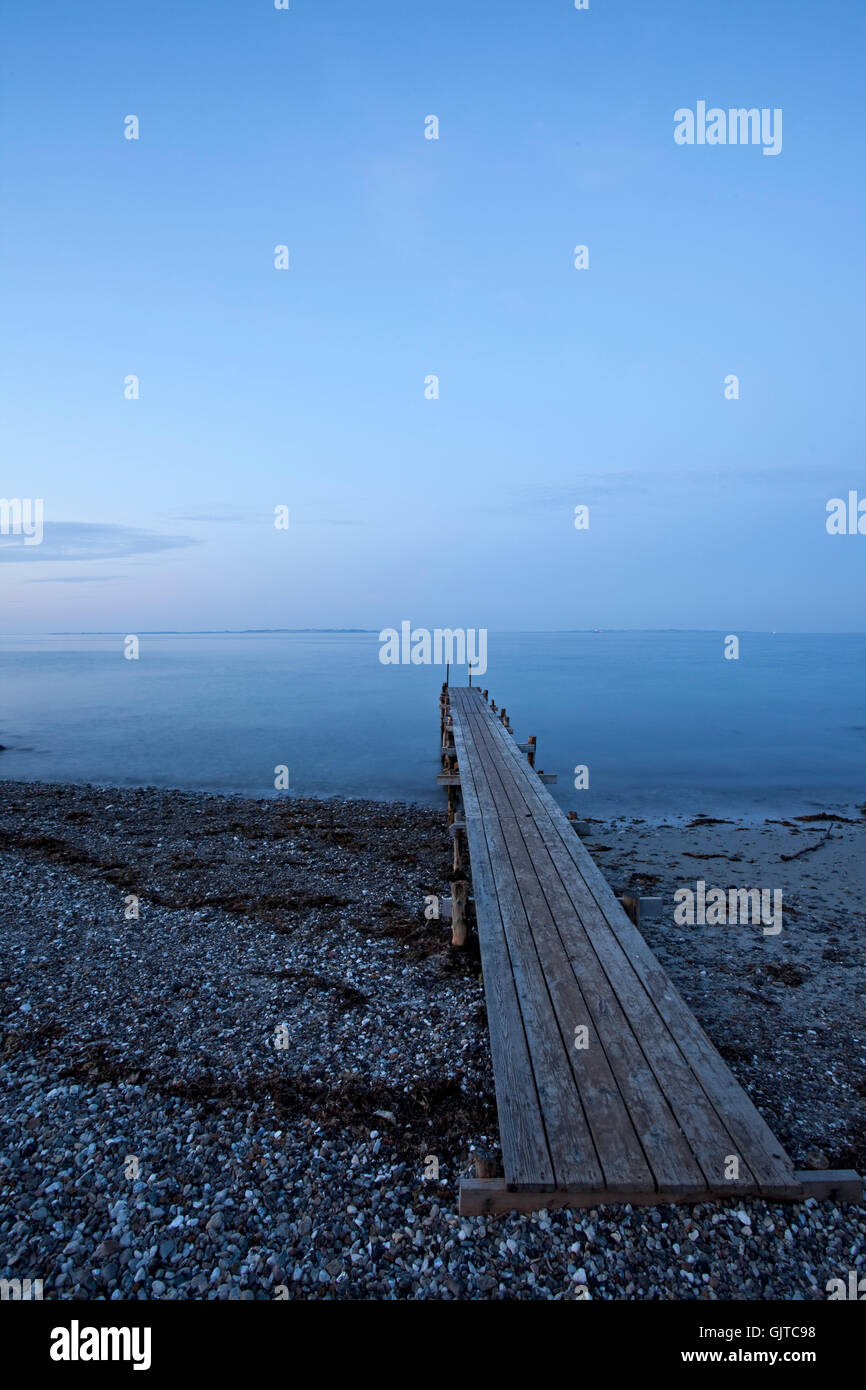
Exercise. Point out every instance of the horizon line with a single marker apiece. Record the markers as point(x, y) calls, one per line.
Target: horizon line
point(364, 631)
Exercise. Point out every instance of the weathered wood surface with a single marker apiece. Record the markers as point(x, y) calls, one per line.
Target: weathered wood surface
point(647, 1111)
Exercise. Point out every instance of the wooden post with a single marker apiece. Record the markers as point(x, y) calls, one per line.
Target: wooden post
point(448, 748)
point(631, 907)
point(531, 754)
point(484, 693)
point(452, 804)
point(458, 856)
point(444, 707)
point(503, 715)
point(459, 894)
point(457, 830)
point(486, 1165)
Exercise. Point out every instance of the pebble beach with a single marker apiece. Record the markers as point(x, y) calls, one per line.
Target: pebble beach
point(238, 1061)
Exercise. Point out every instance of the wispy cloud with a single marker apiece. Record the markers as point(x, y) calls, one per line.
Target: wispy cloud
point(89, 540)
point(598, 484)
point(216, 511)
point(223, 512)
point(77, 579)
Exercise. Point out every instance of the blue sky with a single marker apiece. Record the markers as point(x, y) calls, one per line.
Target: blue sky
point(412, 257)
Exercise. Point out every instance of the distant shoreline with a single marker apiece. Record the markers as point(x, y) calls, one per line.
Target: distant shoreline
point(210, 632)
point(369, 631)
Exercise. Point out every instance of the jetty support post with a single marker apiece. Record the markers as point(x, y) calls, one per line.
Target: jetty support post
point(631, 907)
point(459, 894)
point(458, 830)
point(486, 1164)
point(444, 707)
point(449, 752)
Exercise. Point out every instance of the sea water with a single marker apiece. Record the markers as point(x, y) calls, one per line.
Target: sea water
point(661, 720)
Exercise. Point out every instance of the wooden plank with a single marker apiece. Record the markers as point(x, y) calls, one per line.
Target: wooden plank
point(572, 1151)
point(651, 1128)
point(488, 1196)
point(521, 1129)
point(753, 1141)
point(493, 1196)
point(835, 1184)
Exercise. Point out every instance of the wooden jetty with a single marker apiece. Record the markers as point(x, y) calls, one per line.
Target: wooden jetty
point(607, 1088)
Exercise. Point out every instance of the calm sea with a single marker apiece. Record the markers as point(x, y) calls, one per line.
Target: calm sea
point(664, 723)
